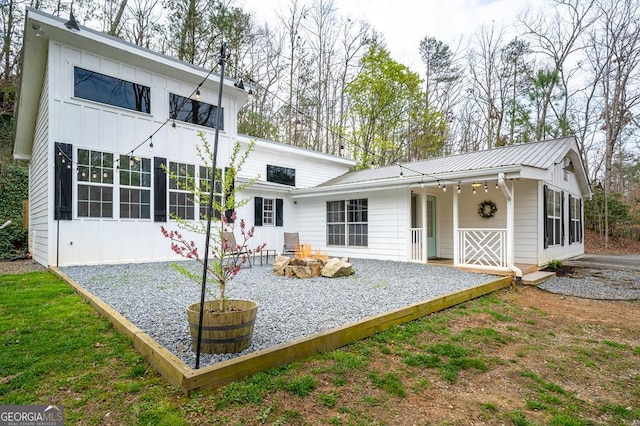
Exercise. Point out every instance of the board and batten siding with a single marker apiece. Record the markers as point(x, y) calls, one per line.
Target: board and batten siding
point(91, 125)
point(560, 180)
point(312, 168)
point(388, 225)
point(270, 235)
point(41, 176)
point(526, 212)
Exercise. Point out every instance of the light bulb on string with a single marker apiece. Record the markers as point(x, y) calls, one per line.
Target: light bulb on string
point(458, 187)
point(174, 128)
point(474, 191)
point(151, 144)
point(486, 189)
point(197, 94)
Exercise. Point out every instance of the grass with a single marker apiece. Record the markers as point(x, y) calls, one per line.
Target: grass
point(513, 365)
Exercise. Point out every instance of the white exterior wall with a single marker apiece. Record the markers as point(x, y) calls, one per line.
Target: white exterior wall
point(92, 125)
point(388, 224)
point(445, 223)
point(40, 180)
point(526, 212)
point(312, 168)
point(559, 181)
point(468, 203)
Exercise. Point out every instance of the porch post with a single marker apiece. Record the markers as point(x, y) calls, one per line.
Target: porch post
point(456, 237)
point(508, 195)
point(510, 228)
point(425, 245)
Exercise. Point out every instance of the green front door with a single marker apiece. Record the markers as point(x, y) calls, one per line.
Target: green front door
point(432, 251)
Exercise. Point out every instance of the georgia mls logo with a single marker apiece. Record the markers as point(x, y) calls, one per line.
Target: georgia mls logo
point(31, 415)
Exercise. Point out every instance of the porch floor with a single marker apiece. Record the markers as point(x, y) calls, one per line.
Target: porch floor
point(525, 268)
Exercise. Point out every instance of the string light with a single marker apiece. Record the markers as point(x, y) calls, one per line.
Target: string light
point(497, 187)
point(474, 191)
point(458, 187)
point(174, 128)
point(151, 144)
point(486, 189)
point(198, 94)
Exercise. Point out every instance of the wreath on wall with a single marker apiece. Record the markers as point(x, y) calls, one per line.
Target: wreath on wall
point(487, 209)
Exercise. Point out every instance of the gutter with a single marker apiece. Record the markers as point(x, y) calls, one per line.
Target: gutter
point(404, 182)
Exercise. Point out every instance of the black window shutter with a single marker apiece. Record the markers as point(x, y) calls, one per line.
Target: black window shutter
point(279, 212)
point(159, 190)
point(571, 227)
point(544, 217)
point(231, 188)
point(562, 218)
point(63, 207)
point(257, 211)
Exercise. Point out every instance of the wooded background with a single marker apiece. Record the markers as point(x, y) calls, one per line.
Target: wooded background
point(326, 82)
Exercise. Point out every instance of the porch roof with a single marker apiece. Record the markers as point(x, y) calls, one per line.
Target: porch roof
point(509, 159)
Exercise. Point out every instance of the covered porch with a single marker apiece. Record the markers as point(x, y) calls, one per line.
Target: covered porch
point(479, 235)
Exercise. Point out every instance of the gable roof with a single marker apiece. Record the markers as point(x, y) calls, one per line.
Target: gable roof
point(531, 160)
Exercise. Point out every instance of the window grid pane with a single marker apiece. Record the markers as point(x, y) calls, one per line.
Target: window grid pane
point(347, 222)
point(268, 214)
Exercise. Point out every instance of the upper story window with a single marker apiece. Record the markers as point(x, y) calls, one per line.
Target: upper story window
point(111, 91)
point(283, 175)
point(194, 111)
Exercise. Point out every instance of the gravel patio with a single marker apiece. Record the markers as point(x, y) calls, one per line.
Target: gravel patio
point(154, 297)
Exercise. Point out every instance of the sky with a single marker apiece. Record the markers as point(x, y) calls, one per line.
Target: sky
point(405, 22)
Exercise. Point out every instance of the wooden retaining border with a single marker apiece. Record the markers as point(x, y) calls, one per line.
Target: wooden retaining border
point(179, 374)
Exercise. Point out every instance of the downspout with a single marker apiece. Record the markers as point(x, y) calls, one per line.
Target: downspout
point(510, 227)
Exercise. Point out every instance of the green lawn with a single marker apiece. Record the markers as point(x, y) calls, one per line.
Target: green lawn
point(56, 350)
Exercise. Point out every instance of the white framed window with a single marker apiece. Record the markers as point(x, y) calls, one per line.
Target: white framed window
point(553, 217)
point(181, 183)
point(268, 212)
point(347, 223)
point(204, 180)
point(575, 220)
point(135, 187)
point(95, 183)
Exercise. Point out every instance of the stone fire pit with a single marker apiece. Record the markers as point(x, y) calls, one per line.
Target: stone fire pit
point(311, 267)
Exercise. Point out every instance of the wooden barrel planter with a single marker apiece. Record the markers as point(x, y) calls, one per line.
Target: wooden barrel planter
point(223, 332)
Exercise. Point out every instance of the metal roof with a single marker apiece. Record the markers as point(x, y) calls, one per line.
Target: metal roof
point(541, 155)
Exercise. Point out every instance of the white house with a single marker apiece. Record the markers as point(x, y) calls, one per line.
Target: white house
point(88, 104)
point(98, 117)
point(494, 209)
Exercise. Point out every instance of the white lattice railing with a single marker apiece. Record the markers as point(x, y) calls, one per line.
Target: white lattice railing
point(416, 244)
point(483, 247)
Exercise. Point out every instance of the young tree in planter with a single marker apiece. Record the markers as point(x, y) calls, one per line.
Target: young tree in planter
point(225, 259)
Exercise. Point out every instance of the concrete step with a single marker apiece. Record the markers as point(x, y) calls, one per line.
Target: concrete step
point(536, 278)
